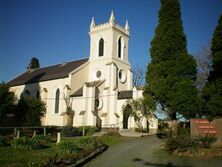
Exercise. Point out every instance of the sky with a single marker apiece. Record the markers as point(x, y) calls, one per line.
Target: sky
point(56, 31)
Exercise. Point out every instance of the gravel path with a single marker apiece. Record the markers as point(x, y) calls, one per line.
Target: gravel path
point(139, 152)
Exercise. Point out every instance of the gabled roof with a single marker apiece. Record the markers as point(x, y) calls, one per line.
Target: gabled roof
point(47, 73)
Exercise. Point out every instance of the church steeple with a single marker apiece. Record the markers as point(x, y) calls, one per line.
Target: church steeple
point(112, 17)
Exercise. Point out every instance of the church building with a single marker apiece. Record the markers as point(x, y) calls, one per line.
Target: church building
point(95, 88)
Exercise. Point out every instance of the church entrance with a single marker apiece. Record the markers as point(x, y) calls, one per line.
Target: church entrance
point(126, 113)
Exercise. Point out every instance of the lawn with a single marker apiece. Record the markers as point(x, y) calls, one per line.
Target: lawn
point(11, 157)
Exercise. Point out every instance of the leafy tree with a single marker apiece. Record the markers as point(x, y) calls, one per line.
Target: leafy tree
point(7, 100)
point(212, 92)
point(29, 111)
point(171, 74)
point(34, 63)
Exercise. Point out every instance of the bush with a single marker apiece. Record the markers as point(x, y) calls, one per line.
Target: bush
point(42, 140)
point(71, 132)
point(67, 146)
point(29, 111)
point(90, 130)
point(87, 143)
point(84, 144)
point(181, 141)
point(25, 143)
point(2, 141)
point(37, 142)
point(206, 141)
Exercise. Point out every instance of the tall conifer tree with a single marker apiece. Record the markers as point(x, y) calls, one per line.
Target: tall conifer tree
point(212, 92)
point(171, 74)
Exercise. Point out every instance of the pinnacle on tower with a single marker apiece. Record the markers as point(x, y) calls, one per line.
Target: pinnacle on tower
point(112, 18)
point(92, 22)
point(127, 27)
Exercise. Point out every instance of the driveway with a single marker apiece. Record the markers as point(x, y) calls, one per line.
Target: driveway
point(142, 152)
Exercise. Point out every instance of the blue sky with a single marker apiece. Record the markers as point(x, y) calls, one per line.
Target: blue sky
point(55, 31)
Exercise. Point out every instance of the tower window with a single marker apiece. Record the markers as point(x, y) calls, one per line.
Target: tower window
point(119, 48)
point(57, 101)
point(101, 47)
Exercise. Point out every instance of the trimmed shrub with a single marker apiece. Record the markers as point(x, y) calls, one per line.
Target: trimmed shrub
point(67, 146)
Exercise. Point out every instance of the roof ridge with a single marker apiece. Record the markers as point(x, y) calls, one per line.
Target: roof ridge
point(61, 63)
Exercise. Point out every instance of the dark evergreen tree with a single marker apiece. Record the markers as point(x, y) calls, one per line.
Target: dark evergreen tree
point(171, 74)
point(7, 100)
point(212, 92)
point(29, 111)
point(34, 63)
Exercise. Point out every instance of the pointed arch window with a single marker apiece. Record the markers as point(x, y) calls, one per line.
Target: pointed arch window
point(119, 48)
point(57, 101)
point(101, 47)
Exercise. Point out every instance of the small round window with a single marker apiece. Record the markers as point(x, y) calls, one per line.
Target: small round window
point(98, 74)
point(122, 76)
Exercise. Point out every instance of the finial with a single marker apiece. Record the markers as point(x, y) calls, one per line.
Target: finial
point(112, 18)
point(127, 27)
point(92, 22)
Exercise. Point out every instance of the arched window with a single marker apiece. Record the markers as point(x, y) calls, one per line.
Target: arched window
point(57, 101)
point(101, 47)
point(119, 48)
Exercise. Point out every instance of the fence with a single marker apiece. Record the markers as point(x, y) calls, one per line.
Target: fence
point(52, 130)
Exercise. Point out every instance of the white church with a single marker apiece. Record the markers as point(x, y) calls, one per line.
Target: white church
point(96, 88)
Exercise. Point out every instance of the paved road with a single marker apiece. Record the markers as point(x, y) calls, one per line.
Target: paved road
point(140, 152)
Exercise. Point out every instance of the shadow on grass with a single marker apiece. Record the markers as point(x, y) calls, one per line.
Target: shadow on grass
point(169, 164)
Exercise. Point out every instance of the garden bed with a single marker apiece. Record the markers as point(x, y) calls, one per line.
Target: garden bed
point(73, 151)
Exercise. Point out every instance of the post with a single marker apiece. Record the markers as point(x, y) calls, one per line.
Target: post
point(83, 131)
point(44, 130)
point(34, 133)
point(15, 130)
point(58, 137)
point(18, 134)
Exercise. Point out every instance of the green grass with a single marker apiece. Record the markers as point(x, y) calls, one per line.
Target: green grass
point(12, 157)
point(111, 140)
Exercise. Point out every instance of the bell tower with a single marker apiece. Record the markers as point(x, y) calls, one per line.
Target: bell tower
point(109, 54)
point(109, 40)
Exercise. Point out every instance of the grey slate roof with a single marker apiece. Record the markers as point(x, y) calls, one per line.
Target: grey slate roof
point(47, 73)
